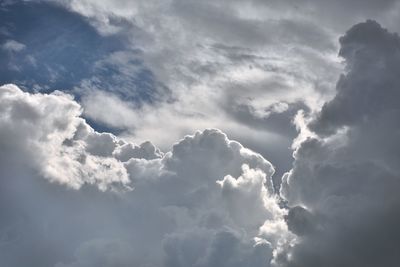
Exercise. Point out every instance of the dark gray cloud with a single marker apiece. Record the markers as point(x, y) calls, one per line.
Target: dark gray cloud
point(347, 176)
point(370, 87)
point(276, 118)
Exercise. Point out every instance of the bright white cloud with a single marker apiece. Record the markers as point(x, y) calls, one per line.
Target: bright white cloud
point(44, 130)
point(188, 207)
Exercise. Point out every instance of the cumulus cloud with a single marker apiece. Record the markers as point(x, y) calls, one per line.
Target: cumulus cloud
point(48, 133)
point(343, 186)
point(82, 198)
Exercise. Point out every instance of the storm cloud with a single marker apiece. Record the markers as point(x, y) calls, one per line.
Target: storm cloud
point(346, 177)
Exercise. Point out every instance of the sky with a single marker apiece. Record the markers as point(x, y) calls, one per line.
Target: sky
point(185, 133)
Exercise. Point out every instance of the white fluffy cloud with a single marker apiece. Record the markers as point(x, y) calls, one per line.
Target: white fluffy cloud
point(71, 196)
point(46, 133)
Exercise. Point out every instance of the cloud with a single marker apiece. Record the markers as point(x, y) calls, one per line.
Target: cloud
point(13, 46)
point(224, 249)
point(69, 54)
point(71, 196)
point(360, 46)
point(159, 71)
point(210, 57)
point(196, 64)
point(109, 110)
point(107, 253)
point(192, 63)
point(48, 133)
point(343, 186)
